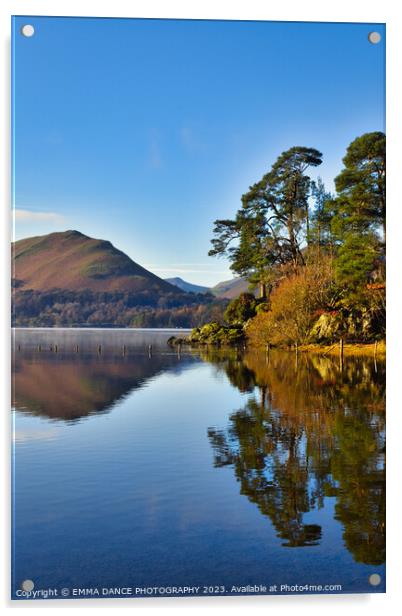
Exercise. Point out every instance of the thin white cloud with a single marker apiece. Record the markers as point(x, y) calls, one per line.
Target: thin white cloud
point(155, 155)
point(189, 140)
point(25, 436)
point(35, 216)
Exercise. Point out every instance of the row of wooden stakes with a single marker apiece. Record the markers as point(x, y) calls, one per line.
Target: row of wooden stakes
point(76, 348)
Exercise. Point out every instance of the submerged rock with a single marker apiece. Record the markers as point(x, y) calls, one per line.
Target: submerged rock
point(174, 341)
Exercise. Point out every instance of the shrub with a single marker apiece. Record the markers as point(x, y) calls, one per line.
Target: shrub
point(293, 306)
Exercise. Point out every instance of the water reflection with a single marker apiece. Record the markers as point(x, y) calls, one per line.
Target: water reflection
point(309, 432)
point(68, 386)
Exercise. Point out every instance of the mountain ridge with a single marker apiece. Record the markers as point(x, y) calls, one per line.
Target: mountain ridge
point(230, 289)
point(186, 286)
point(73, 261)
point(227, 289)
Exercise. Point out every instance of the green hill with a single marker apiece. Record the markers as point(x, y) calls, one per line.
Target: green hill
point(73, 261)
point(70, 279)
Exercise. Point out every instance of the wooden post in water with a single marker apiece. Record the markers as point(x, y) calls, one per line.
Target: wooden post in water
point(55, 348)
point(375, 356)
point(39, 347)
point(99, 349)
point(341, 353)
point(150, 350)
point(76, 348)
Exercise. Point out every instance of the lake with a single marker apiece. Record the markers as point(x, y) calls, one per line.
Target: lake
point(135, 466)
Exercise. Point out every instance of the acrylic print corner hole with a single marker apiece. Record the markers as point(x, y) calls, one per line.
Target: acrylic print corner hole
point(374, 38)
point(198, 318)
point(375, 579)
point(28, 30)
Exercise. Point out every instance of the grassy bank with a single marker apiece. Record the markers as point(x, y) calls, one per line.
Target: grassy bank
point(351, 349)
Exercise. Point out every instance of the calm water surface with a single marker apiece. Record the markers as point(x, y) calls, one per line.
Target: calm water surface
point(137, 468)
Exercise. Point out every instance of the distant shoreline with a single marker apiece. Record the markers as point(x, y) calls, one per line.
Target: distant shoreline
point(104, 329)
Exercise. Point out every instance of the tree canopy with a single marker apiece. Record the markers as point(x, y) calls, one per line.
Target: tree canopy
point(292, 235)
point(270, 227)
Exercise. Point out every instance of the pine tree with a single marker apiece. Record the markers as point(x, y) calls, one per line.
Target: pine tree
point(271, 226)
point(359, 218)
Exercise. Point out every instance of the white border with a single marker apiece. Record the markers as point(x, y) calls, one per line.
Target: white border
point(285, 10)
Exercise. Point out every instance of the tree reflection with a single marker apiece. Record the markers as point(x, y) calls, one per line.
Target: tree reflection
point(307, 433)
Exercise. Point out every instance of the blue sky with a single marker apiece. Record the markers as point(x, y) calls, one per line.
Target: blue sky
point(143, 132)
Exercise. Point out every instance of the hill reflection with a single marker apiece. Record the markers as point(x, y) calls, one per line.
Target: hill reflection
point(69, 387)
